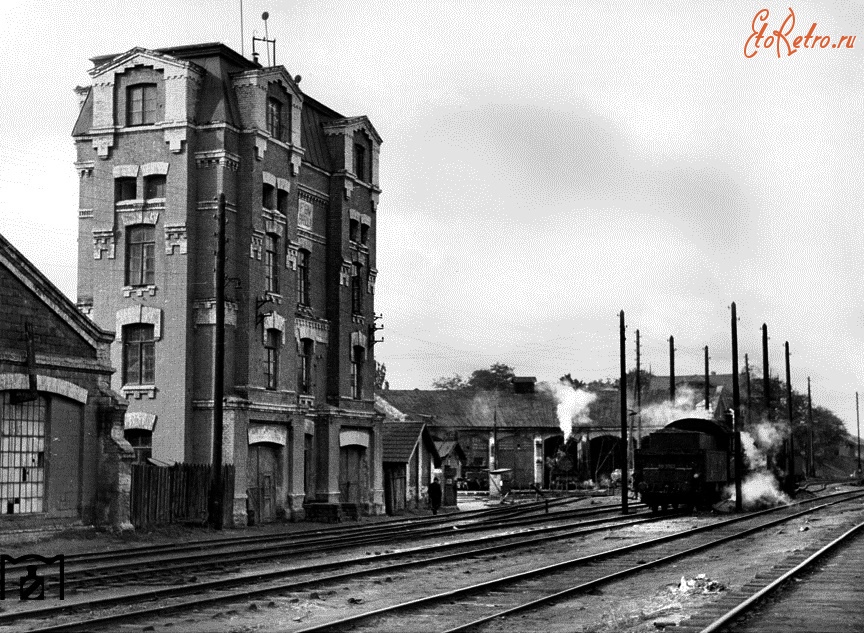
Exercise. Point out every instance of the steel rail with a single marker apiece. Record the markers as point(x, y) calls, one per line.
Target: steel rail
point(585, 528)
point(448, 595)
point(261, 591)
point(90, 575)
point(750, 602)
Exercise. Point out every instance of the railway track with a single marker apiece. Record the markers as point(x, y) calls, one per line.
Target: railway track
point(167, 564)
point(818, 590)
point(313, 573)
point(592, 570)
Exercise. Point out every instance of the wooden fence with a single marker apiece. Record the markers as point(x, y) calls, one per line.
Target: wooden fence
point(176, 494)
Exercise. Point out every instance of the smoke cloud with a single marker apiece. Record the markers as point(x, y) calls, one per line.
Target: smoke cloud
point(572, 407)
point(662, 413)
point(759, 489)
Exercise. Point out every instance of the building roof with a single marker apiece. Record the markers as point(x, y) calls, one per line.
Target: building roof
point(401, 438)
point(484, 409)
point(466, 408)
point(24, 271)
point(448, 447)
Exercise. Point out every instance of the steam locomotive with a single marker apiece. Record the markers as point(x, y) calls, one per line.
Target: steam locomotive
point(687, 463)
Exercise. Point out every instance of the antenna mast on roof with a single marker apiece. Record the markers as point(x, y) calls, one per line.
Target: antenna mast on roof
point(242, 36)
point(267, 41)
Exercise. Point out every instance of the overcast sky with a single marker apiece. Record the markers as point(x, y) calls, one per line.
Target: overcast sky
point(545, 165)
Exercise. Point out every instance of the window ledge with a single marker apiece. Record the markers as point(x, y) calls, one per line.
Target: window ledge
point(358, 319)
point(129, 205)
point(137, 391)
point(139, 291)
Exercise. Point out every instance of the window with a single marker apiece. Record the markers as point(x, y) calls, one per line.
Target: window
point(125, 189)
point(360, 162)
point(357, 290)
point(303, 277)
point(268, 197)
point(282, 201)
point(154, 187)
point(304, 367)
point(271, 362)
point(271, 262)
point(353, 230)
point(142, 443)
point(274, 118)
point(22, 455)
point(140, 256)
point(139, 355)
point(357, 355)
point(364, 234)
point(141, 104)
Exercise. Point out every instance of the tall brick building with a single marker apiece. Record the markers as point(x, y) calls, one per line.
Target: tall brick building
point(161, 133)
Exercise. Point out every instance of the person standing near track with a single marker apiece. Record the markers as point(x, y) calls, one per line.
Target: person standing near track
point(435, 495)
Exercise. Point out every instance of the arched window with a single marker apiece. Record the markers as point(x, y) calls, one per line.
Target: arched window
point(357, 289)
point(304, 367)
point(271, 262)
point(303, 277)
point(271, 361)
point(140, 255)
point(358, 355)
point(139, 355)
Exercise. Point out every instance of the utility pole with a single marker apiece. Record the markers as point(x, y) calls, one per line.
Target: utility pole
point(218, 493)
point(672, 369)
point(736, 408)
point(766, 376)
point(747, 369)
point(707, 385)
point(623, 389)
point(495, 437)
point(791, 458)
point(638, 391)
point(811, 461)
point(858, 420)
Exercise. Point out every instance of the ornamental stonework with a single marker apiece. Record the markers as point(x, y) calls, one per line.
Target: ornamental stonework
point(175, 239)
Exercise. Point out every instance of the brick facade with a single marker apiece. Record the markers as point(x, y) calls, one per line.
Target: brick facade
point(215, 123)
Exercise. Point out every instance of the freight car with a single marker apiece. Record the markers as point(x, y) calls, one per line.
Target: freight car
point(687, 463)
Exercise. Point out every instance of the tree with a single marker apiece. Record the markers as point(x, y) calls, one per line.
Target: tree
point(497, 378)
point(380, 376)
point(450, 383)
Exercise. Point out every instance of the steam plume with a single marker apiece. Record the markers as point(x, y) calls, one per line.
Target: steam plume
point(572, 407)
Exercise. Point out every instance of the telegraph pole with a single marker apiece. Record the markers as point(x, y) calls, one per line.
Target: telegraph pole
point(811, 461)
point(791, 458)
point(638, 390)
point(218, 493)
point(736, 408)
point(707, 386)
point(672, 369)
point(747, 369)
point(766, 376)
point(626, 449)
point(858, 420)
